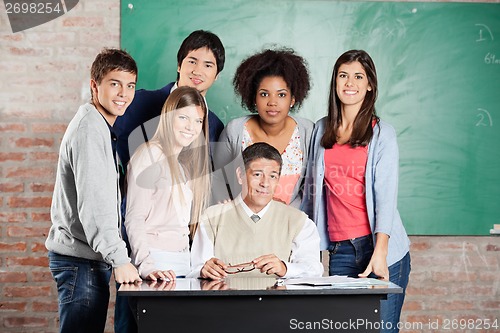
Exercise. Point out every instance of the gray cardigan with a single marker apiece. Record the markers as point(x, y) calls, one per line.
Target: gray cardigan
point(381, 179)
point(228, 149)
point(85, 203)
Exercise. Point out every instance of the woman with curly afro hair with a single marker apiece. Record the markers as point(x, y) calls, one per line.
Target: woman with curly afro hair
point(271, 84)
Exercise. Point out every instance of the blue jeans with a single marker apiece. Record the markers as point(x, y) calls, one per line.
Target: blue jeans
point(351, 257)
point(125, 321)
point(83, 292)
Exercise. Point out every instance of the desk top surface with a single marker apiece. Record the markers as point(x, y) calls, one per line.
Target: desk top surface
point(241, 286)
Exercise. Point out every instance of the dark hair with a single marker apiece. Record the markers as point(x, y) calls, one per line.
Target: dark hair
point(110, 60)
point(199, 39)
point(261, 150)
point(362, 130)
point(282, 63)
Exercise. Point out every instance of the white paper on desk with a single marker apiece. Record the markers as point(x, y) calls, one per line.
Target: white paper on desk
point(338, 281)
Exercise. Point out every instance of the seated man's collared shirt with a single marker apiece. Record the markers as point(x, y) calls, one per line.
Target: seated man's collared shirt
point(304, 258)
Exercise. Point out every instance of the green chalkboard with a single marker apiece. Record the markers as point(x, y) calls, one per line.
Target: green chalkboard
point(439, 81)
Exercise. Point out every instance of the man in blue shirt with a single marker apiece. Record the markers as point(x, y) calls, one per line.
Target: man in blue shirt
point(200, 59)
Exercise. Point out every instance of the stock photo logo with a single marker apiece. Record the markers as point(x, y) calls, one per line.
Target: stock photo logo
point(26, 14)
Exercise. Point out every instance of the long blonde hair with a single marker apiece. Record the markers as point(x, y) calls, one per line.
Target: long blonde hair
point(194, 158)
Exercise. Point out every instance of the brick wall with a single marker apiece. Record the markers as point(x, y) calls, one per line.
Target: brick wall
point(44, 73)
point(45, 78)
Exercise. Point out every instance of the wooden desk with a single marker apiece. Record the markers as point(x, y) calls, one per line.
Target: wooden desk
point(254, 305)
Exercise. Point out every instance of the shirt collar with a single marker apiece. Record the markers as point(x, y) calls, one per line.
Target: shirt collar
point(239, 201)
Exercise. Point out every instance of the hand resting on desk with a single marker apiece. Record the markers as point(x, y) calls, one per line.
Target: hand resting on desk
point(216, 269)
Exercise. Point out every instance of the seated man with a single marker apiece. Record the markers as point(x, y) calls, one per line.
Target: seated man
point(254, 235)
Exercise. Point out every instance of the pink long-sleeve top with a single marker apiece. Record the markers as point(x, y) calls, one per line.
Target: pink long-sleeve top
point(158, 212)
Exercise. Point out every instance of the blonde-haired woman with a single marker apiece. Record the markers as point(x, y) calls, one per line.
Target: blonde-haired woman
point(162, 206)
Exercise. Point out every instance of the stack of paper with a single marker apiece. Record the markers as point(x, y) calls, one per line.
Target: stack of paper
point(337, 281)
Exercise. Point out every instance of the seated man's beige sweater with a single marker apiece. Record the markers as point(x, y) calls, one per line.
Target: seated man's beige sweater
point(237, 239)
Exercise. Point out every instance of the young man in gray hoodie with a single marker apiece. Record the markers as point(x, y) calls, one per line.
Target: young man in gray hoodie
point(84, 242)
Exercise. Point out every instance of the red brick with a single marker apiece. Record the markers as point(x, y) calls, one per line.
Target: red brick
point(88, 52)
point(470, 290)
point(476, 260)
point(22, 82)
point(12, 37)
point(13, 247)
point(13, 217)
point(13, 277)
point(12, 67)
point(15, 97)
point(16, 157)
point(449, 305)
point(30, 51)
point(453, 276)
point(57, 97)
point(42, 187)
point(423, 318)
point(27, 291)
point(427, 290)
point(44, 156)
point(456, 246)
point(412, 306)
point(38, 202)
point(90, 22)
point(104, 38)
point(48, 128)
point(12, 322)
point(33, 142)
point(12, 127)
point(27, 232)
point(45, 306)
point(467, 316)
point(13, 306)
point(56, 67)
point(42, 276)
point(416, 276)
point(38, 247)
point(40, 217)
point(492, 248)
point(489, 276)
point(491, 305)
point(28, 261)
point(53, 38)
point(11, 187)
point(27, 113)
point(429, 259)
point(420, 246)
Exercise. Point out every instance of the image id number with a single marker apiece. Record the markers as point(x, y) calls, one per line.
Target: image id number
point(471, 324)
point(32, 8)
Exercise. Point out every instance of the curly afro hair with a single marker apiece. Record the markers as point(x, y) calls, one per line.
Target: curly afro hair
point(281, 62)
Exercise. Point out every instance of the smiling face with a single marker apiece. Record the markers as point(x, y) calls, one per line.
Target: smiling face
point(198, 70)
point(273, 100)
point(352, 84)
point(113, 94)
point(187, 124)
point(259, 182)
